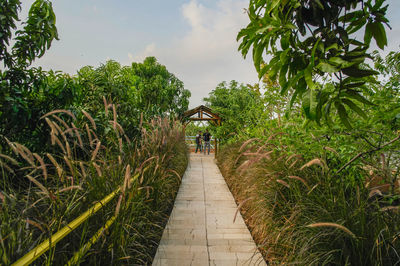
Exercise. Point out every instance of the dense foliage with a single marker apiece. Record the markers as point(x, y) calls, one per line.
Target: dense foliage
point(62, 185)
point(67, 141)
point(239, 105)
point(315, 194)
point(315, 52)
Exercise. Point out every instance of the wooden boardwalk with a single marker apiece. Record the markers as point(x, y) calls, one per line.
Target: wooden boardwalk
point(200, 230)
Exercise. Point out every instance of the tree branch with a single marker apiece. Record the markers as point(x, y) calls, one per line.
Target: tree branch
point(367, 152)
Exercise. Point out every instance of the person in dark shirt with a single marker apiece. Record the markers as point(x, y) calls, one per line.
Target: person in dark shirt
point(198, 142)
point(207, 137)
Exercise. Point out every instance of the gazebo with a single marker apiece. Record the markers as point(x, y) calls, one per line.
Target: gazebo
point(202, 113)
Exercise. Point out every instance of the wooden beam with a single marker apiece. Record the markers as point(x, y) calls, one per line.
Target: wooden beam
point(201, 119)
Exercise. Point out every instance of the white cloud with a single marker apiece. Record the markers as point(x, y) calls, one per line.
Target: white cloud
point(149, 50)
point(206, 54)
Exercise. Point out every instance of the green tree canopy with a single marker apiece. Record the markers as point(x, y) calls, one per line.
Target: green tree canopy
point(315, 51)
point(240, 107)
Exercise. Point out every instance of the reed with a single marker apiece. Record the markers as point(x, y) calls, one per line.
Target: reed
point(301, 215)
point(61, 184)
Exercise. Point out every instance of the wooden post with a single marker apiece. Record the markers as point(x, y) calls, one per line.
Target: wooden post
point(215, 147)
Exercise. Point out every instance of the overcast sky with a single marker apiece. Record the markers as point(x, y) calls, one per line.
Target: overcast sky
point(195, 39)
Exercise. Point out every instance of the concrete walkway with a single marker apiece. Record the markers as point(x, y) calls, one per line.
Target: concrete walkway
point(200, 230)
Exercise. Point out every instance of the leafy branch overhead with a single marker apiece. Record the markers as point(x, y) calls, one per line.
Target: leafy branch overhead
point(315, 53)
point(39, 30)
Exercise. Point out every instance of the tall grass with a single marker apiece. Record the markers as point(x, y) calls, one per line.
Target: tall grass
point(41, 193)
point(301, 211)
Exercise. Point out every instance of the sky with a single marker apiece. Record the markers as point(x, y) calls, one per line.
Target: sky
point(194, 39)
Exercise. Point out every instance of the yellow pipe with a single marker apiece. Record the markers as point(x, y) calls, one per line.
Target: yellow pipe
point(78, 255)
point(35, 253)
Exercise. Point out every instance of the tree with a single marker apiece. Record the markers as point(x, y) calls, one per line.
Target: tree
point(159, 88)
point(240, 106)
point(315, 51)
point(33, 40)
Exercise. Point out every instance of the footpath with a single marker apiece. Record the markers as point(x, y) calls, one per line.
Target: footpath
point(201, 229)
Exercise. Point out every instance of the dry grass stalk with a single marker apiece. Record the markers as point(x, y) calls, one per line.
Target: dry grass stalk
point(37, 183)
point(239, 207)
point(58, 142)
point(95, 137)
point(105, 105)
point(54, 130)
point(174, 172)
point(141, 120)
point(244, 165)
point(78, 135)
point(42, 165)
point(88, 133)
point(60, 111)
point(56, 165)
point(67, 161)
point(35, 224)
point(147, 160)
point(97, 167)
point(390, 208)
point(114, 115)
point(117, 208)
point(280, 181)
point(128, 176)
point(312, 189)
point(273, 136)
point(90, 118)
point(300, 179)
point(83, 172)
point(5, 166)
point(313, 162)
point(247, 142)
point(60, 130)
point(13, 147)
point(338, 226)
point(70, 188)
point(293, 164)
point(374, 192)
point(127, 139)
point(291, 157)
point(61, 121)
point(120, 145)
point(96, 150)
point(3, 199)
point(12, 160)
point(332, 150)
point(21, 151)
point(69, 152)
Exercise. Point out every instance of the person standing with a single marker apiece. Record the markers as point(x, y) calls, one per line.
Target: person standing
point(207, 137)
point(198, 142)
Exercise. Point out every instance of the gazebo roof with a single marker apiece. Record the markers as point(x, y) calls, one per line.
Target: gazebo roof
point(204, 113)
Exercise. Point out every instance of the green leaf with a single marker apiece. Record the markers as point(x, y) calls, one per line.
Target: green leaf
point(313, 51)
point(368, 34)
point(309, 104)
point(343, 114)
point(257, 56)
point(282, 75)
point(327, 68)
point(357, 96)
point(284, 43)
point(355, 108)
point(354, 71)
point(308, 77)
point(379, 34)
point(337, 61)
point(327, 111)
